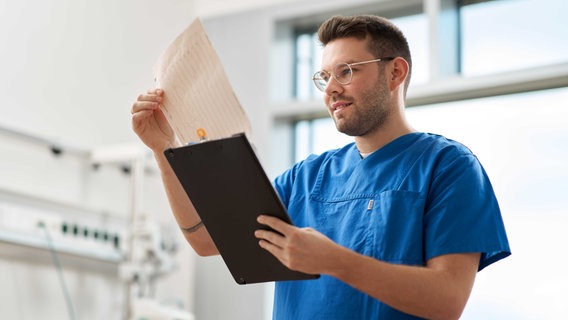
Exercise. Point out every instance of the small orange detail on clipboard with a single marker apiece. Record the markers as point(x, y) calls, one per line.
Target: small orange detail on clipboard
point(201, 134)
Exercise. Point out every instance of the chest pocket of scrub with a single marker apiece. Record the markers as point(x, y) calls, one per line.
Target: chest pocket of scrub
point(387, 226)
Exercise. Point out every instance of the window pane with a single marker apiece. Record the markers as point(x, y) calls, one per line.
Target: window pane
point(415, 28)
point(508, 35)
point(316, 136)
point(316, 65)
point(327, 137)
point(304, 55)
point(302, 140)
point(521, 140)
point(308, 61)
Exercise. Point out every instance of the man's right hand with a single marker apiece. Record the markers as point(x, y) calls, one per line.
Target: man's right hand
point(149, 122)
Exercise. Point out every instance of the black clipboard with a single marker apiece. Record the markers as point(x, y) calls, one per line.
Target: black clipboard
point(229, 189)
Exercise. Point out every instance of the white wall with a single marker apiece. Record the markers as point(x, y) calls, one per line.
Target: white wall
point(71, 69)
point(70, 72)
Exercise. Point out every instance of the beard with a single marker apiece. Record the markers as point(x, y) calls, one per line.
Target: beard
point(368, 114)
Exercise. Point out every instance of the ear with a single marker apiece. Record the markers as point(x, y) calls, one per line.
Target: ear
point(398, 72)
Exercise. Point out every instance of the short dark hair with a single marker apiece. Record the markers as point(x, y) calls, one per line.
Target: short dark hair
point(386, 39)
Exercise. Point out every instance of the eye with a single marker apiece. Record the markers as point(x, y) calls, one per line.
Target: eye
point(323, 76)
point(343, 72)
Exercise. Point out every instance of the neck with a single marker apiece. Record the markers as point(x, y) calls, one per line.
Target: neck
point(394, 128)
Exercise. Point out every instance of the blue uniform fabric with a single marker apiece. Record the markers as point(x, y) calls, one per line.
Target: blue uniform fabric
point(416, 198)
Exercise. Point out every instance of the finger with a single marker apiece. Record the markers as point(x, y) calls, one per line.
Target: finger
point(156, 91)
point(270, 236)
point(269, 246)
point(142, 114)
point(144, 106)
point(139, 116)
point(274, 250)
point(275, 223)
point(149, 97)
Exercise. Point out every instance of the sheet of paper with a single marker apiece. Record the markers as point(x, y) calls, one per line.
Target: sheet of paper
point(198, 94)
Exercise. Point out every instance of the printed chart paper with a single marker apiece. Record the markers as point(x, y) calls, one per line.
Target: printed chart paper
point(198, 95)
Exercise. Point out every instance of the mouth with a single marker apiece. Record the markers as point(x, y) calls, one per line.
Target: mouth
point(340, 105)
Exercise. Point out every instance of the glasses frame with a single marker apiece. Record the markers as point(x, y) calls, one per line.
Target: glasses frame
point(319, 80)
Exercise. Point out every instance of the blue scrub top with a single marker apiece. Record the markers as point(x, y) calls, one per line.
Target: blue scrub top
point(416, 198)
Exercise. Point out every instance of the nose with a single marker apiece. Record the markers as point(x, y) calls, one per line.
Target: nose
point(333, 87)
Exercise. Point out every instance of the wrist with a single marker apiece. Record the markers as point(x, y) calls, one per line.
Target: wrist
point(193, 228)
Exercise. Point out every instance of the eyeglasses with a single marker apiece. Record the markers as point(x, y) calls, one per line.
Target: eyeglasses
point(342, 73)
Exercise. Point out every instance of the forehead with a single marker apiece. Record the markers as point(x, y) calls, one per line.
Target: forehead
point(345, 50)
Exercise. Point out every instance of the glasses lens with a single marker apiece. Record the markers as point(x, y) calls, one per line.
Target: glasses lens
point(320, 84)
point(343, 73)
point(320, 80)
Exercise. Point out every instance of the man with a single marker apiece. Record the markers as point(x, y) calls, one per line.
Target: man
point(397, 223)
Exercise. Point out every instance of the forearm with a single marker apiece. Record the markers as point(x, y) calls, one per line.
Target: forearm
point(183, 210)
point(436, 291)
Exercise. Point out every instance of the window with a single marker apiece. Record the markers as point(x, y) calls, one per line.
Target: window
point(500, 36)
point(520, 140)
